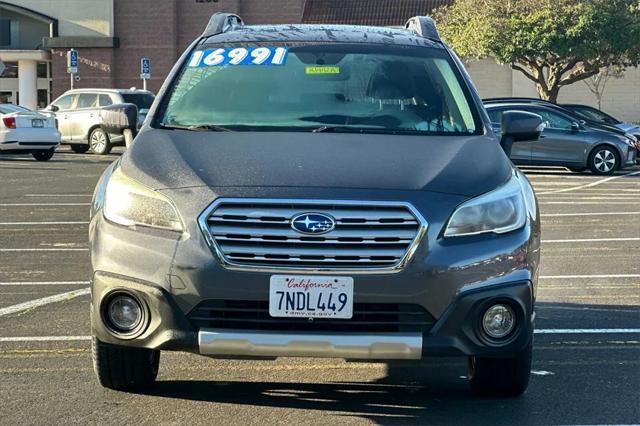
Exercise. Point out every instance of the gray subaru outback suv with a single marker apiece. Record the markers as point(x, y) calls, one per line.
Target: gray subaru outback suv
point(317, 191)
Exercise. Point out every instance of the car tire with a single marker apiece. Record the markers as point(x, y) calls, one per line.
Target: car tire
point(79, 148)
point(43, 155)
point(501, 376)
point(124, 368)
point(604, 160)
point(99, 142)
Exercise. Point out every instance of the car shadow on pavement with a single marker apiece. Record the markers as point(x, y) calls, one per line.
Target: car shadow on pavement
point(7, 161)
point(427, 392)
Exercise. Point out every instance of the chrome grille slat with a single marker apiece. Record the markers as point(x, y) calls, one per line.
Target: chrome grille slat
point(286, 231)
point(304, 242)
point(257, 234)
point(336, 213)
point(279, 220)
point(309, 251)
point(298, 260)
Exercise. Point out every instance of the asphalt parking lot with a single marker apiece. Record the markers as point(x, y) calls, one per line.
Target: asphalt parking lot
point(586, 358)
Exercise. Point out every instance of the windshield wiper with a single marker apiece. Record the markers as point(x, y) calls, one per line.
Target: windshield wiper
point(198, 127)
point(368, 130)
point(322, 129)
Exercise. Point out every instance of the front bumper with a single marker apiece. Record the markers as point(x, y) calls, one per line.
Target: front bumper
point(457, 331)
point(451, 280)
point(631, 157)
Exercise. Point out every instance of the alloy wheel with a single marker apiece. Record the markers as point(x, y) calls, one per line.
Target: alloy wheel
point(604, 161)
point(98, 141)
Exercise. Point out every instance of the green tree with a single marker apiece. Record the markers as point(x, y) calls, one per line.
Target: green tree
point(554, 43)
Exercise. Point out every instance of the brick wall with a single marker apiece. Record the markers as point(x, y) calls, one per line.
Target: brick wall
point(267, 12)
point(95, 69)
point(161, 30)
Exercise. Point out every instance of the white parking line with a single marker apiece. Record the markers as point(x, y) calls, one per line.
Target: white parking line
point(540, 331)
point(579, 277)
point(42, 204)
point(14, 250)
point(44, 301)
point(43, 339)
point(43, 223)
point(617, 185)
point(588, 197)
point(586, 330)
point(29, 283)
point(58, 195)
point(590, 214)
point(591, 240)
point(592, 184)
point(586, 192)
point(597, 203)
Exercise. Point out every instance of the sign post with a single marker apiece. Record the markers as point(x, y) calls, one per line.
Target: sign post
point(72, 64)
point(145, 71)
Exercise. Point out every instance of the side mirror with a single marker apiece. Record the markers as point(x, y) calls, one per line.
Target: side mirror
point(575, 127)
point(519, 126)
point(52, 108)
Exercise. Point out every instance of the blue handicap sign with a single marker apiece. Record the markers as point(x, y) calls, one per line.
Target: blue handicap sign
point(73, 58)
point(145, 66)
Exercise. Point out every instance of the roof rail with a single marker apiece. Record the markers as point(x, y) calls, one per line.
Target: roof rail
point(423, 26)
point(222, 22)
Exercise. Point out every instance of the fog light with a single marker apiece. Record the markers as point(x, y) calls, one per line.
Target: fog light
point(498, 321)
point(124, 312)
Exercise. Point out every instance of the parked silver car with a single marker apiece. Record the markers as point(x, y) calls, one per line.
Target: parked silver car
point(78, 114)
point(567, 142)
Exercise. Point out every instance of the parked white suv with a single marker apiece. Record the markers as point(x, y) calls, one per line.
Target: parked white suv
point(78, 114)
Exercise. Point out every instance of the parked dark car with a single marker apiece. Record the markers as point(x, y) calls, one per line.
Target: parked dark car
point(591, 122)
point(567, 141)
point(317, 191)
point(590, 113)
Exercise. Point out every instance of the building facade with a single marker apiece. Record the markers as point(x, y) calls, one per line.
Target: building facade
point(111, 36)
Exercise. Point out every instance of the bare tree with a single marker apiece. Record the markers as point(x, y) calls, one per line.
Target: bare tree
point(597, 83)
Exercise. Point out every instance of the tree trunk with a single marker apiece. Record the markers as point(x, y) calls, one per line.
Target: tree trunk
point(548, 94)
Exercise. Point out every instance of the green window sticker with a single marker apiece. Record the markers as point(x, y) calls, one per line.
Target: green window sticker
point(322, 69)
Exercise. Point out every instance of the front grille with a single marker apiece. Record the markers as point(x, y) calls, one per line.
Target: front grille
point(367, 235)
point(367, 317)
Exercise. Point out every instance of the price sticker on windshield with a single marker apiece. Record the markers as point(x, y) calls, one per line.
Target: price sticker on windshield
point(238, 56)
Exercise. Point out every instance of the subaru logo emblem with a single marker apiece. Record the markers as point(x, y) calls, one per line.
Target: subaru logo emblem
point(313, 223)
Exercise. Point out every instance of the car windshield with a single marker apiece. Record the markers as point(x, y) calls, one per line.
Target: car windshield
point(593, 114)
point(342, 88)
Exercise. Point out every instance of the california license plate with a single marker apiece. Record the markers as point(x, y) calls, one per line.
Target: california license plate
point(37, 123)
point(306, 296)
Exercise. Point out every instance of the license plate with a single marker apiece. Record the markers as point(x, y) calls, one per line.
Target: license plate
point(37, 123)
point(306, 296)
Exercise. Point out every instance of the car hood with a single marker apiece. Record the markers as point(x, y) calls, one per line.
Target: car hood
point(629, 128)
point(170, 159)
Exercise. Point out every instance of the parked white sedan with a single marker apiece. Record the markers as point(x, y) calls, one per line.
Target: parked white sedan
point(23, 131)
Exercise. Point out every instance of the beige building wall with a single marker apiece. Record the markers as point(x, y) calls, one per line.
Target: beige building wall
point(87, 18)
point(621, 97)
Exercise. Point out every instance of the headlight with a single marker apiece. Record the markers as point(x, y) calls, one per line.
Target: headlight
point(499, 211)
point(129, 203)
point(627, 141)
